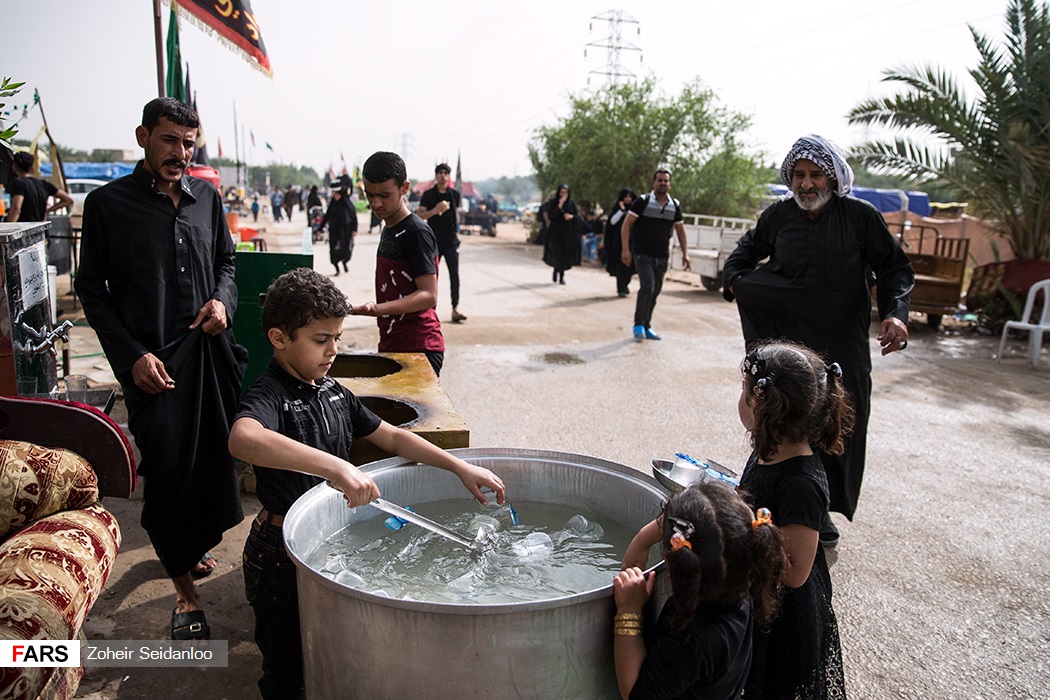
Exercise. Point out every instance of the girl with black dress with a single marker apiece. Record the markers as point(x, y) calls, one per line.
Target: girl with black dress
point(562, 247)
point(724, 562)
point(613, 246)
point(793, 405)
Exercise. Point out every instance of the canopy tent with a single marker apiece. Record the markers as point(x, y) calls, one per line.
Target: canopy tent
point(466, 189)
point(91, 171)
point(884, 200)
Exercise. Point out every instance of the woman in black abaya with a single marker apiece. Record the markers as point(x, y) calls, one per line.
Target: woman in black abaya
point(562, 248)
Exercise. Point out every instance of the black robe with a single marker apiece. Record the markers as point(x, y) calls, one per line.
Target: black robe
point(191, 492)
point(561, 249)
point(341, 219)
point(815, 289)
point(614, 244)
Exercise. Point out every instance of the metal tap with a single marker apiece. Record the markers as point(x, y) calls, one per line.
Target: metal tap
point(44, 342)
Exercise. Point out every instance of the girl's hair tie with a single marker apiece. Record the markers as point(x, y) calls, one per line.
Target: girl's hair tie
point(758, 368)
point(762, 517)
point(678, 541)
point(762, 385)
point(683, 530)
point(753, 365)
point(834, 370)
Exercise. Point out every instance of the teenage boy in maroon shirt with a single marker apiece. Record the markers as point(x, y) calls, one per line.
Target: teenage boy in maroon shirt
point(406, 266)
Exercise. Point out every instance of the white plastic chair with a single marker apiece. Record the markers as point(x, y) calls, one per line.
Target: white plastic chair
point(1036, 329)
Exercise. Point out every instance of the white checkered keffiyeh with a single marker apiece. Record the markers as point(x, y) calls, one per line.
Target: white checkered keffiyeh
point(828, 157)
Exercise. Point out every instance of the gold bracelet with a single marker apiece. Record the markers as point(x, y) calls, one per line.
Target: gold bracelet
point(628, 633)
point(627, 627)
point(628, 616)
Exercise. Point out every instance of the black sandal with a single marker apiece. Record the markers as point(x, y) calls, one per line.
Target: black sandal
point(189, 625)
point(204, 570)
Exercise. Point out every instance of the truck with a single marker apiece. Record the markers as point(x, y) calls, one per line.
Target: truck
point(710, 240)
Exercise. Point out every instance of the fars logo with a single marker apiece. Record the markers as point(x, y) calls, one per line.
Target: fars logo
point(36, 652)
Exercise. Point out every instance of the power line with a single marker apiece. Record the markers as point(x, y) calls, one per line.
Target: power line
point(404, 145)
point(614, 44)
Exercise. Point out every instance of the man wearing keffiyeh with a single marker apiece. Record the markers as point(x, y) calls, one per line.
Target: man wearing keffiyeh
point(824, 251)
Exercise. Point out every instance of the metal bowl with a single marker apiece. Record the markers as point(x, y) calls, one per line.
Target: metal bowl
point(675, 479)
point(662, 470)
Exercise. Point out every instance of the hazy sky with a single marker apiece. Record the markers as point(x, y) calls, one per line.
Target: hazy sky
point(430, 79)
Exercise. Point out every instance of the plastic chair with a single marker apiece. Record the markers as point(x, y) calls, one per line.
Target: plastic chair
point(1035, 330)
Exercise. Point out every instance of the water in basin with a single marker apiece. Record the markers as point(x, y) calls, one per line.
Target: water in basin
point(555, 550)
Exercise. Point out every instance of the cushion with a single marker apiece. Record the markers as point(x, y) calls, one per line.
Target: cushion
point(38, 481)
point(51, 573)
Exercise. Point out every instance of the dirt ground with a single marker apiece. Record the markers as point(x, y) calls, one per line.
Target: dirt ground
point(940, 581)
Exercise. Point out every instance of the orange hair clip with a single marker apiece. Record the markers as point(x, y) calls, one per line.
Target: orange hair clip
point(762, 517)
point(678, 541)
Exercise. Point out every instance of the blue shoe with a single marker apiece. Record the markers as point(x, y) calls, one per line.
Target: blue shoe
point(639, 332)
point(651, 335)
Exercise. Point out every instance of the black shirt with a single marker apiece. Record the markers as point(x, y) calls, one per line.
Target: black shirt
point(651, 231)
point(34, 197)
point(326, 416)
point(147, 268)
point(443, 225)
point(708, 659)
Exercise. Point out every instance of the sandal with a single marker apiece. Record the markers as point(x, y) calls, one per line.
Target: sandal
point(201, 568)
point(189, 625)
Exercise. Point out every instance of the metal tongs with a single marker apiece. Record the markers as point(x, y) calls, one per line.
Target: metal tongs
point(477, 546)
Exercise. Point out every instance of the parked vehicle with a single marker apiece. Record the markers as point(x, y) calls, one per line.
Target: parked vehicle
point(710, 240)
point(78, 189)
point(940, 265)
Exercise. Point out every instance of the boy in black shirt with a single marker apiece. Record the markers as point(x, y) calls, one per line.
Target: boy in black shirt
point(296, 425)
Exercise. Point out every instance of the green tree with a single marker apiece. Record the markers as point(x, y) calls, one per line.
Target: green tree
point(618, 136)
point(995, 150)
point(8, 89)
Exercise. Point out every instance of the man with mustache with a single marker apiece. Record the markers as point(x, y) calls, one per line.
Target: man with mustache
point(156, 279)
point(824, 250)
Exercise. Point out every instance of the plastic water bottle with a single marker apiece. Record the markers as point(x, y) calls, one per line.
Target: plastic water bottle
point(308, 241)
point(584, 529)
point(505, 514)
point(483, 525)
point(396, 523)
point(349, 578)
point(536, 545)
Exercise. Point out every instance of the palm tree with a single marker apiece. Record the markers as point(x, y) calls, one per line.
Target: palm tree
point(994, 150)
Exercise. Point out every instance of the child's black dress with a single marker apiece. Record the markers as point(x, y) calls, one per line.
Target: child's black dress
point(799, 655)
point(708, 660)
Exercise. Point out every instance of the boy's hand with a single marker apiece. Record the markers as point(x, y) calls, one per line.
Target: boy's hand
point(357, 487)
point(474, 477)
point(631, 588)
point(368, 309)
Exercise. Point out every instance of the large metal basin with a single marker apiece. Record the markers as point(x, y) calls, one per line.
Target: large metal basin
point(357, 644)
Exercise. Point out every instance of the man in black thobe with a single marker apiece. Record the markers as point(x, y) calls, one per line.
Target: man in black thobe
point(156, 279)
point(823, 247)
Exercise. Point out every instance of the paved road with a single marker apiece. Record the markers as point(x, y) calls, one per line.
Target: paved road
point(941, 586)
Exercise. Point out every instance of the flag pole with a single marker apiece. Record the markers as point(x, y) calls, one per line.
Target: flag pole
point(246, 175)
point(236, 150)
point(160, 50)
